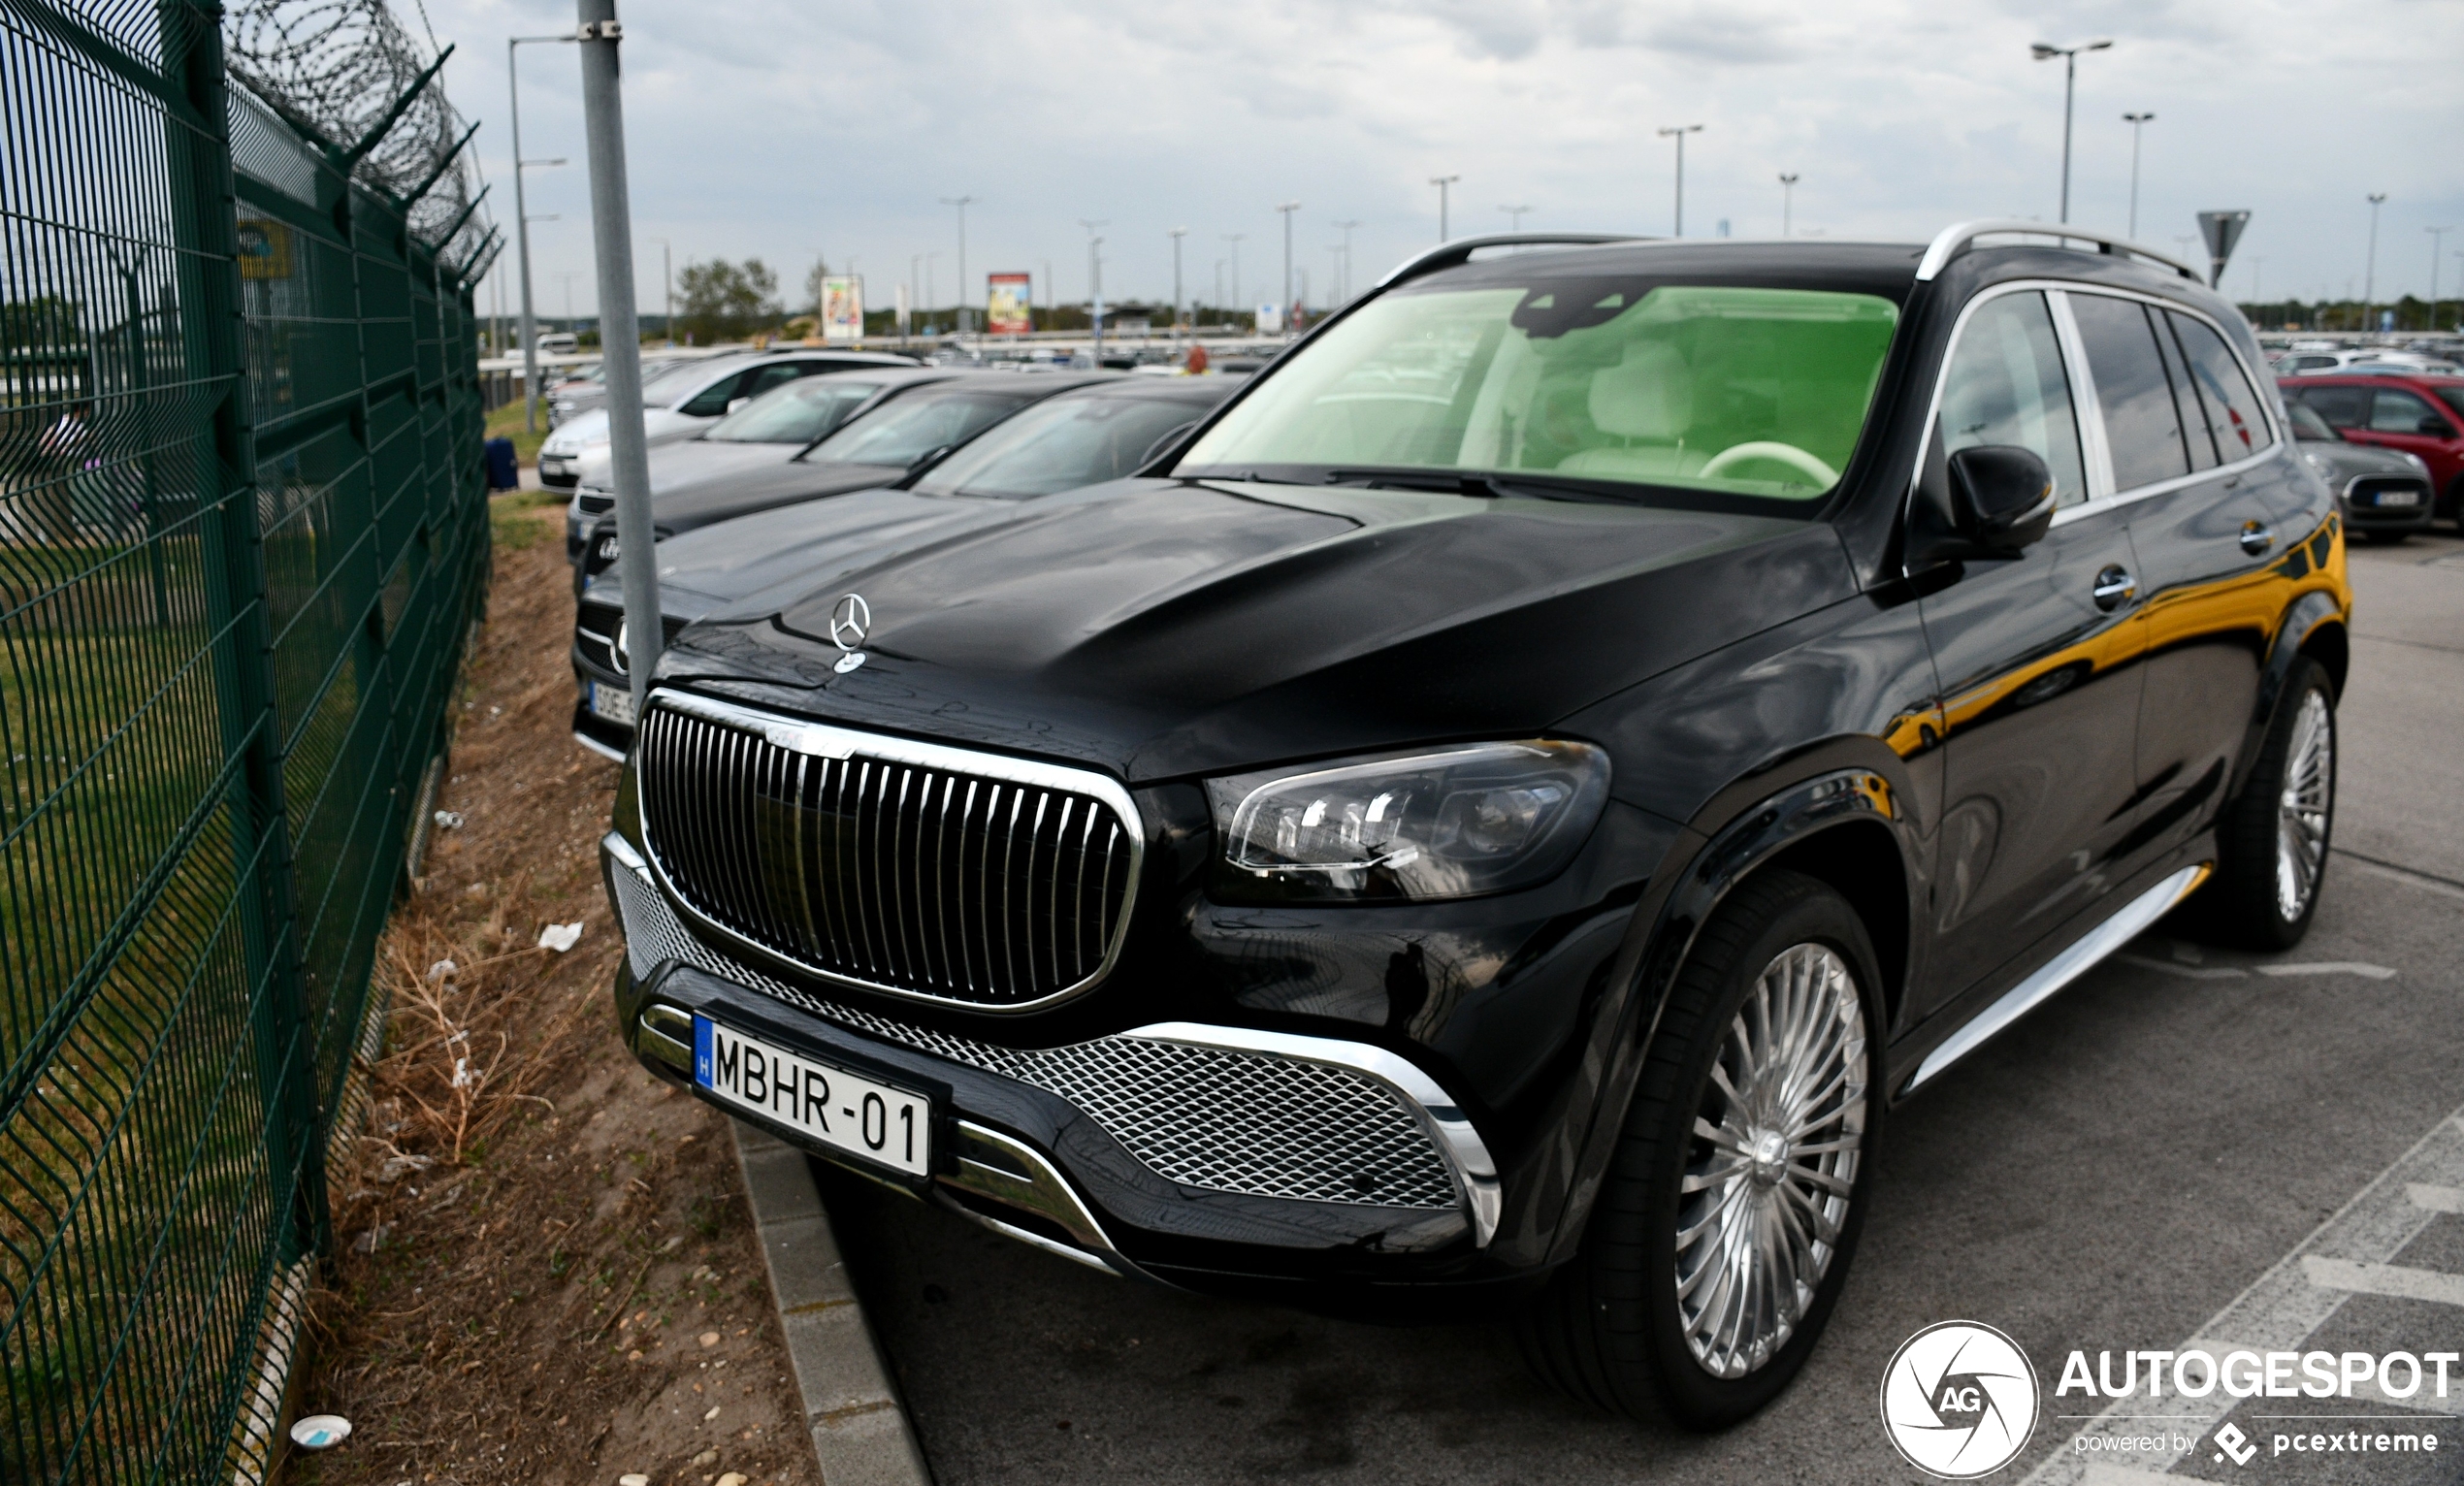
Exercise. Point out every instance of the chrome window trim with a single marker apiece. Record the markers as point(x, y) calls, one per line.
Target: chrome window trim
point(825, 740)
point(2094, 450)
point(1456, 1137)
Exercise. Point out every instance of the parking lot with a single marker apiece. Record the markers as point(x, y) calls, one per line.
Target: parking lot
point(2142, 1161)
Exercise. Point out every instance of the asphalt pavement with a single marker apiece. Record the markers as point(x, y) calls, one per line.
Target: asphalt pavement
point(2187, 1140)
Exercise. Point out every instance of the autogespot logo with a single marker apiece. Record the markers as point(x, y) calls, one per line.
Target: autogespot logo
point(1959, 1400)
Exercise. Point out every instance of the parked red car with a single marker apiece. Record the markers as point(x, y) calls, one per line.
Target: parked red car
point(2419, 416)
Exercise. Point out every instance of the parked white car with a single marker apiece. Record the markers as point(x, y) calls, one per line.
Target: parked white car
point(689, 397)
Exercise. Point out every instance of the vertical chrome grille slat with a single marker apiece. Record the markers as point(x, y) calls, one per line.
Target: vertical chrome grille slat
point(902, 875)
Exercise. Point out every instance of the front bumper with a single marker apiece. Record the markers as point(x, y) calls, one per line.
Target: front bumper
point(1213, 1157)
point(2362, 503)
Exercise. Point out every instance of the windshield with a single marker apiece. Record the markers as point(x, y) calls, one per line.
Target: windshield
point(798, 412)
point(2308, 426)
point(661, 387)
point(1744, 391)
point(1060, 445)
point(906, 429)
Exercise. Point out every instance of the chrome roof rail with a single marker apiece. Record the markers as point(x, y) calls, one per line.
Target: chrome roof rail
point(1448, 255)
point(1960, 235)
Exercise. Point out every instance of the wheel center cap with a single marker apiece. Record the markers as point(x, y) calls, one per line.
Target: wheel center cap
point(1769, 1154)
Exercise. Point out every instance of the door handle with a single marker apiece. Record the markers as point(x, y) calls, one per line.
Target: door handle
point(2114, 586)
point(2256, 537)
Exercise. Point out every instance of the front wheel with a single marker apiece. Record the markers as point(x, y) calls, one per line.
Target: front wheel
point(1723, 1231)
point(2272, 840)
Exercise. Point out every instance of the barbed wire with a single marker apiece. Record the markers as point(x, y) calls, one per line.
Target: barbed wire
point(338, 67)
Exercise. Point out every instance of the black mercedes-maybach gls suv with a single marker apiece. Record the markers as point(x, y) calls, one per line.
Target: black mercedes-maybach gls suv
point(1501, 809)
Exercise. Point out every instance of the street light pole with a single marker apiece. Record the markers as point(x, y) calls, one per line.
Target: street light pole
point(2436, 233)
point(1787, 203)
point(667, 287)
point(1094, 288)
point(1234, 237)
point(1441, 182)
point(2135, 121)
point(1176, 234)
point(522, 233)
point(1288, 208)
point(1347, 230)
point(1514, 217)
point(2045, 52)
point(961, 203)
point(619, 339)
point(2370, 273)
point(1679, 132)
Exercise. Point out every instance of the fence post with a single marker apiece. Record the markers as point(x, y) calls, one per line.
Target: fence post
point(205, 211)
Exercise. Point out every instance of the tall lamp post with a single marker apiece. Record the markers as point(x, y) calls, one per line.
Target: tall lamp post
point(1287, 208)
point(1787, 203)
point(2136, 121)
point(961, 203)
point(1514, 217)
point(2370, 270)
point(522, 229)
point(2044, 51)
point(1176, 234)
point(1346, 227)
point(1095, 286)
point(2436, 233)
point(1678, 132)
point(1443, 183)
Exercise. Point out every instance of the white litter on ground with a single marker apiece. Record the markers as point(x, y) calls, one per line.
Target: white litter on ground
point(560, 937)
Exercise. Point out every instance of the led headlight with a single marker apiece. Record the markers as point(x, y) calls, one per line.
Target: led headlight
point(1450, 823)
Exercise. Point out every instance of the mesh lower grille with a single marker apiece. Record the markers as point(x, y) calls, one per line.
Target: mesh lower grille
point(1206, 1117)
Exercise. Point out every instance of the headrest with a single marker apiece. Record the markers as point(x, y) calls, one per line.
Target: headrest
point(1649, 395)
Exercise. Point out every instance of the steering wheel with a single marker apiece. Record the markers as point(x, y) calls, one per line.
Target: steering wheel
point(1824, 477)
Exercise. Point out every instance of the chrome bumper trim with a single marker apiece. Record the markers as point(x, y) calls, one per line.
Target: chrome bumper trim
point(1013, 1174)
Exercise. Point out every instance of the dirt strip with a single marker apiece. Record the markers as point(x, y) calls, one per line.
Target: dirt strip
point(546, 1270)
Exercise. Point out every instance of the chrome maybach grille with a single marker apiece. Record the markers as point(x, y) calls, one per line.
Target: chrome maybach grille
point(896, 866)
point(1214, 1118)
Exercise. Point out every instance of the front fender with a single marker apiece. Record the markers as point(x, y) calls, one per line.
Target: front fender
point(1703, 865)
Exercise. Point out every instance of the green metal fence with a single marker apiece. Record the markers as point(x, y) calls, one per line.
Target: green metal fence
point(243, 534)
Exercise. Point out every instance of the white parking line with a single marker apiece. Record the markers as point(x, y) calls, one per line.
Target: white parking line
point(2331, 968)
point(2283, 1307)
point(2437, 1199)
point(2393, 872)
point(2396, 1280)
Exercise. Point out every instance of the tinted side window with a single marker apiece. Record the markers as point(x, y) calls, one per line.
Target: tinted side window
point(2393, 410)
point(2006, 386)
point(2185, 400)
point(2143, 428)
point(713, 400)
point(766, 378)
point(2230, 405)
point(2346, 408)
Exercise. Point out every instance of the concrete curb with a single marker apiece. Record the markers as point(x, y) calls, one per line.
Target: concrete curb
point(861, 1430)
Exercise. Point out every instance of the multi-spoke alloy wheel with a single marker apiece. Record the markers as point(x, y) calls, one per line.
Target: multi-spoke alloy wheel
point(1727, 1217)
point(2303, 804)
point(1773, 1161)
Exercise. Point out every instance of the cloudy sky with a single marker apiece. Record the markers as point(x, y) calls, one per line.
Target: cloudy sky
point(791, 128)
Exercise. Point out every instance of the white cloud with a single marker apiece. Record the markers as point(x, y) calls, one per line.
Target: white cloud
point(786, 127)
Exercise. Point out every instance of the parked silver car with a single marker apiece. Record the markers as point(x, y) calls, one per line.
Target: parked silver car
point(689, 397)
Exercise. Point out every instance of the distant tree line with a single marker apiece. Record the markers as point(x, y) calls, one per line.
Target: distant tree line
point(2411, 314)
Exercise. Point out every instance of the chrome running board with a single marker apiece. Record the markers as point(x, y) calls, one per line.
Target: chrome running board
point(2070, 964)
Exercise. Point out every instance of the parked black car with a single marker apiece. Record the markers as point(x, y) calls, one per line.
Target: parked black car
point(2385, 494)
point(885, 442)
point(772, 429)
point(1502, 810)
point(1085, 435)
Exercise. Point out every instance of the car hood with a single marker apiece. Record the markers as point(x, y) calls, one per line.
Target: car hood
point(678, 466)
point(586, 431)
point(758, 486)
point(736, 563)
point(1159, 629)
point(2348, 461)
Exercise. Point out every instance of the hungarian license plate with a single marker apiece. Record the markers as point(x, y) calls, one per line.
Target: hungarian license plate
point(616, 705)
point(2399, 498)
point(822, 1101)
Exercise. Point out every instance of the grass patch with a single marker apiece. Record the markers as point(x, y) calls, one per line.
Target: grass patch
point(515, 522)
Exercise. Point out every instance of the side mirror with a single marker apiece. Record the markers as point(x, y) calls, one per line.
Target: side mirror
point(735, 402)
point(1988, 501)
point(2003, 497)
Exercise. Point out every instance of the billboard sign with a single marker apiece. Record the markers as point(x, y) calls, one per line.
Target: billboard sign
point(843, 308)
point(1006, 307)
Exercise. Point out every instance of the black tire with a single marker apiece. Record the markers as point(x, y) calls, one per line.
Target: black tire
point(1609, 1328)
point(2243, 904)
